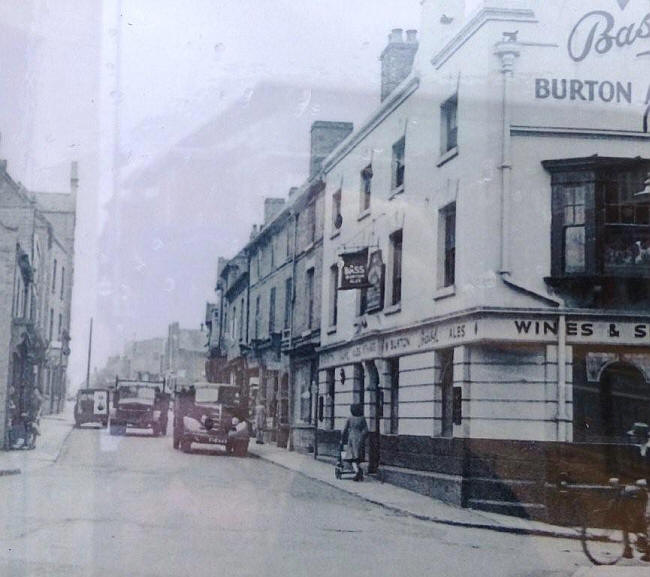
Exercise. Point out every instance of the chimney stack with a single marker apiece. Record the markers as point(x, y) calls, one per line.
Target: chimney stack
point(74, 177)
point(253, 232)
point(325, 137)
point(397, 60)
point(272, 206)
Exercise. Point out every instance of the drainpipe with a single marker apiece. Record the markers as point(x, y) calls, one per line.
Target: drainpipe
point(508, 51)
point(291, 311)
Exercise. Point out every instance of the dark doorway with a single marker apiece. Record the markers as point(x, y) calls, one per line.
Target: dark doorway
point(606, 410)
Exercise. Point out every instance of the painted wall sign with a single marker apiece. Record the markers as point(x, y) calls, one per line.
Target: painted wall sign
point(598, 32)
point(583, 90)
point(490, 329)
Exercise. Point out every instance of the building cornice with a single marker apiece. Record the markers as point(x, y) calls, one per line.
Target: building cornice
point(542, 313)
point(397, 97)
point(482, 17)
point(572, 132)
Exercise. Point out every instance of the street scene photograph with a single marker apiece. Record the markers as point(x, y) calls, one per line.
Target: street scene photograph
point(321, 287)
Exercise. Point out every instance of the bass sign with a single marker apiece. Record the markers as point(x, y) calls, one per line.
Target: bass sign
point(598, 32)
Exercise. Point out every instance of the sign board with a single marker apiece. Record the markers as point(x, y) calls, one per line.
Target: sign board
point(491, 328)
point(375, 292)
point(354, 273)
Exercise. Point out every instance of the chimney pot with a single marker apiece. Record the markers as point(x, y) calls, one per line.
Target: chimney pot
point(395, 36)
point(411, 36)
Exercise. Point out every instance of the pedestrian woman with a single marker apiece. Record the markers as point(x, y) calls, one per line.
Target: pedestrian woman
point(260, 421)
point(354, 435)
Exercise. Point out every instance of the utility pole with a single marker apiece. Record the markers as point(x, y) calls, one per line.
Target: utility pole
point(90, 346)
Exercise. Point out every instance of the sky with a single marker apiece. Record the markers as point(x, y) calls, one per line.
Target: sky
point(183, 116)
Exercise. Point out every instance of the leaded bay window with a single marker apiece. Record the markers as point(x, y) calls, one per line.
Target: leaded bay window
point(600, 218)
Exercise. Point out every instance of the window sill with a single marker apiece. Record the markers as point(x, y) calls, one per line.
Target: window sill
point(305, 334)
point(331, 330)
point(447, 156)
point(335, 233)
point(395, 192)
point(444, 292)
point(393, 309)
point(364, 214)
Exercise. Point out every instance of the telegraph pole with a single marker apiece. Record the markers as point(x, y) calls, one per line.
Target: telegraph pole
point(90, 346)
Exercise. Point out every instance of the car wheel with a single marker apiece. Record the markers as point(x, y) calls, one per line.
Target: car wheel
point(104, 424)
point(176, 442)
point(240, 449)
point(155, 429)
point(114, 428)
point(186, 445)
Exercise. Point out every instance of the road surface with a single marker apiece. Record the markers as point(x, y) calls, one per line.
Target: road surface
point(134, 507)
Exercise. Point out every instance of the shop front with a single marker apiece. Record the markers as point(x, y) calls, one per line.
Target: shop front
point(486, 408)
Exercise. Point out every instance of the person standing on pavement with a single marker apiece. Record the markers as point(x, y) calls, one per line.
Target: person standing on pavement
point(34, 417)
point(354, 435)
point(260, 421)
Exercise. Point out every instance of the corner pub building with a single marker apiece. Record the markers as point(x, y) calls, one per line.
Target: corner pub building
point(501, 190)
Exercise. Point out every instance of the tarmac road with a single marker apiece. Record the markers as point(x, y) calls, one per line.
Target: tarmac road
point(133, 506)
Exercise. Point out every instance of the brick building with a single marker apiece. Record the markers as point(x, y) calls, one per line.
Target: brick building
point(36, 257)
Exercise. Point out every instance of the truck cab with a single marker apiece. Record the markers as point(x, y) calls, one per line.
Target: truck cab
point(139, 404)
point(209, 413)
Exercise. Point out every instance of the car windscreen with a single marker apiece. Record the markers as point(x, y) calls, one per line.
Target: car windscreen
point(145, 394)
point(81, 397)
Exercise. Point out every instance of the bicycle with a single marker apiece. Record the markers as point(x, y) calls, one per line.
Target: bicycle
point(611, 531)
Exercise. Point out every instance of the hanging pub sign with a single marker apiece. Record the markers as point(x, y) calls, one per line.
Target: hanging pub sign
point(375, 292)
point(354, 274)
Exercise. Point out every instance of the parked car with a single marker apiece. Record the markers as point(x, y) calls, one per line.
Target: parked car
point(91, 406)
point(139, 404)
point(209, 413)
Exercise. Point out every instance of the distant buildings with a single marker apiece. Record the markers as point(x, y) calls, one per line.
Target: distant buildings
point(36, 263)
point(179, 359)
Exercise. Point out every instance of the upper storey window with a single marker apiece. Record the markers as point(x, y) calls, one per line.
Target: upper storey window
point(398, 165)
point(601, 217)
point(449, 128)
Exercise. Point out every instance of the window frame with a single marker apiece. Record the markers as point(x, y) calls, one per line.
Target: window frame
point(365, 197)
point(596, 178)
point(334, 295)
point(396, 266)
point(449, 124)
point(447, 249)
point(398, 165)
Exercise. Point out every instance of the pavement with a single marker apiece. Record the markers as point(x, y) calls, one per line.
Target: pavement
point(54, 431)
point(409, 503)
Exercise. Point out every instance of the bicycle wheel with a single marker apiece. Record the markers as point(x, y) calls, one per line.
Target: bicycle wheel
point(602, 536)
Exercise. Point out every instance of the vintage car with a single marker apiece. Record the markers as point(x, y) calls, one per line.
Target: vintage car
point(91, 406)
point(209, 413)
point(139, 404)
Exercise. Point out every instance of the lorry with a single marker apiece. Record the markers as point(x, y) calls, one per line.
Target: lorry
point(210, 413)
point(91, 406)
point(139, 404)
